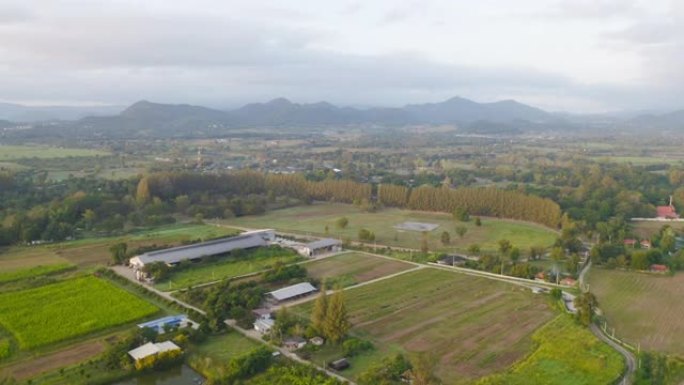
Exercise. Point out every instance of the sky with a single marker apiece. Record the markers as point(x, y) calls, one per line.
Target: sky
point(560, 55)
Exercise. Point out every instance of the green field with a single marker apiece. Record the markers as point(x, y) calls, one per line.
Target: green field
point(43, 152)
point(68, 309)
point(227, 267)
point(35, 271)
point(473, 325)
point(566, 354)
point(353, 268)
point(312, 219)
point(19, 258)
point(643, 308)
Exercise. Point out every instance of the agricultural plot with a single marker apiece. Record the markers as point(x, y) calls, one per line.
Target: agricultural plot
point(68, 309)
point(313, 219)
point(566, 354)
point(227, 267)
point(9, 276)
point(473, 325)
point(643, 308)
point(43, 152)
point(353, 268)
point(646, 229)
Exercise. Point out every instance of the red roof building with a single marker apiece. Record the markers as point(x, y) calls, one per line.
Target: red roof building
point(659, 268)
point(666, 212)
point(568, 281)
point(646, 244)
point(630, 242)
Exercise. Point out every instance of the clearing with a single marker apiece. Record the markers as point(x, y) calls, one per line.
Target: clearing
point(8, 153)
point(643, 308)
point(70, 308)
point(353, 268)
point(314, 218)
point(475, 326)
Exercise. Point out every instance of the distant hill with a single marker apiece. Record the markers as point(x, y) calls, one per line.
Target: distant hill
point(670, 121)
point(21, 113)
point(6, 123)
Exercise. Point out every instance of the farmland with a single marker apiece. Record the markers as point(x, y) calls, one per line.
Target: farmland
point(67, 309)
point(314, 218)
point(8, 153)
point(227, 267)
point(467, 322)
point(566, 353)
point(643, 308)
point(9, 276)
point(353, 268)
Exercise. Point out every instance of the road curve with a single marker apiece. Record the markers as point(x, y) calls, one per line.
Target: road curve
point(630, 359)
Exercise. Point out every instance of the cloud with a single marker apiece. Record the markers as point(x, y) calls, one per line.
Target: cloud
point(591, 9)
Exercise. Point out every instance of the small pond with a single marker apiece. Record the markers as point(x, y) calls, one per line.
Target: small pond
point(181, 375)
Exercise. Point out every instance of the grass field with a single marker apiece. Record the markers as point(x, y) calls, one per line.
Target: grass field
point(227, 267)
point(473, 325)
point(352, 268)
point(18, 258)
point(9, 276)
point(646, 229)
point(67, 309)
point(313, 219)
point(566, 354)
point(643, 308)
point(43, 152)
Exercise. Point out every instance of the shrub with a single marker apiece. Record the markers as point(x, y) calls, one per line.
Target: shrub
point(354, 346)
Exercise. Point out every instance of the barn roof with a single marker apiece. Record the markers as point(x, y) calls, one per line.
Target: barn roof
point(203, 249)
point(666, 212)
point(292, 291)
point(152, 348)
point(321, 243)
point(159, 323)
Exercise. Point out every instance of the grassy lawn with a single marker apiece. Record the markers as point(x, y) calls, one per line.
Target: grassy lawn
point(227, 267)
point(67, 309)
point(643, 308)
point(314, 218)
point(226, 346)
point(474, 325)
point(566, 354)
point(352, 268)
point(43, 152)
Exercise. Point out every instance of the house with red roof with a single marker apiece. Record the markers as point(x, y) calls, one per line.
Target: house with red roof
point(656, 268)
point(667, 212)
point(645, 244)
point(630, 242)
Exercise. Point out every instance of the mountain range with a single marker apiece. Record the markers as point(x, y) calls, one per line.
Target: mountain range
point(148, 119)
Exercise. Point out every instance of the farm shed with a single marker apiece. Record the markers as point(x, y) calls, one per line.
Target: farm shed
point(340, 364)
point(196, 251)
point(291, 292)
point(174, 321)
point(263, 325)
point(294, 343)
point(321, 246)
point(151, 349)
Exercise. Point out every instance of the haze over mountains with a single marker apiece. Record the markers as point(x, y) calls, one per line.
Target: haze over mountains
point(148, 119)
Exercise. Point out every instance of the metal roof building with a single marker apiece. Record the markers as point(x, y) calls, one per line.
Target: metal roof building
point(321, 246)
point(293, 291)
point(175, 255)
point(152, 348)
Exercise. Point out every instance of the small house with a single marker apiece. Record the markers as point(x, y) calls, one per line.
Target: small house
point(264, 325)
point(645, 244)
point(321, 246)
point(317, 341)
point(567, 281)
point(541, 276)
point(160, 325)
point(294, 343)
point(340, 364)
point(262, 313)
point(656, 268)
point(630, 242)
point(151, 349)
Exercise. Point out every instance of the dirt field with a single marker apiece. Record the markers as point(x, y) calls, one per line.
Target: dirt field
point(16, 258)
point(314, 218)
point(473, 325)
point(352, 268)
point(643, 308)
point(66, 357)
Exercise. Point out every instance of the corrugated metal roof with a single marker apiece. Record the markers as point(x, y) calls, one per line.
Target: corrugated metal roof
point(321, 243)
point(151, 348)
point(293, 291)
point(163, 321)
point(203, 249)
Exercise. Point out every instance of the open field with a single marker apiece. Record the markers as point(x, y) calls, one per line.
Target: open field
point(312, 219)
point(8, 276)
point(67, 309)
point(643, 308)
point(18, 258)
point(216, 351)
point(646, 229)
point(227, 267)
point(43, 152)
point(566, 354)
point(353, 268)
point(473, 325)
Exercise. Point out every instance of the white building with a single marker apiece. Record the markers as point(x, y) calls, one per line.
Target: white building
point(151, 349)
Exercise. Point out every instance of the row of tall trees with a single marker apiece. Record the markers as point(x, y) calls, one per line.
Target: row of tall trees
point(474, 201)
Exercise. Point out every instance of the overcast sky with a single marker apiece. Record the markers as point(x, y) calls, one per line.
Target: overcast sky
point(572, 55)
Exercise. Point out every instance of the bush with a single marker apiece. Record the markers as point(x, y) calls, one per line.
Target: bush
point(354, 346)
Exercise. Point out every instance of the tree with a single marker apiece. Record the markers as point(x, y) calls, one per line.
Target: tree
point(422, 369)
point(585, 304)
point(461, 231)
point(89, 218)
point(118, 252)
point(445, 238)
point(505, 246)
point(536, 252)
point(142, 195)
point(320, 311)
point(342, 222)
point(474, 249)
point(336, 323)
point(514, 255)
point(478, 221)
point(461, 215)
